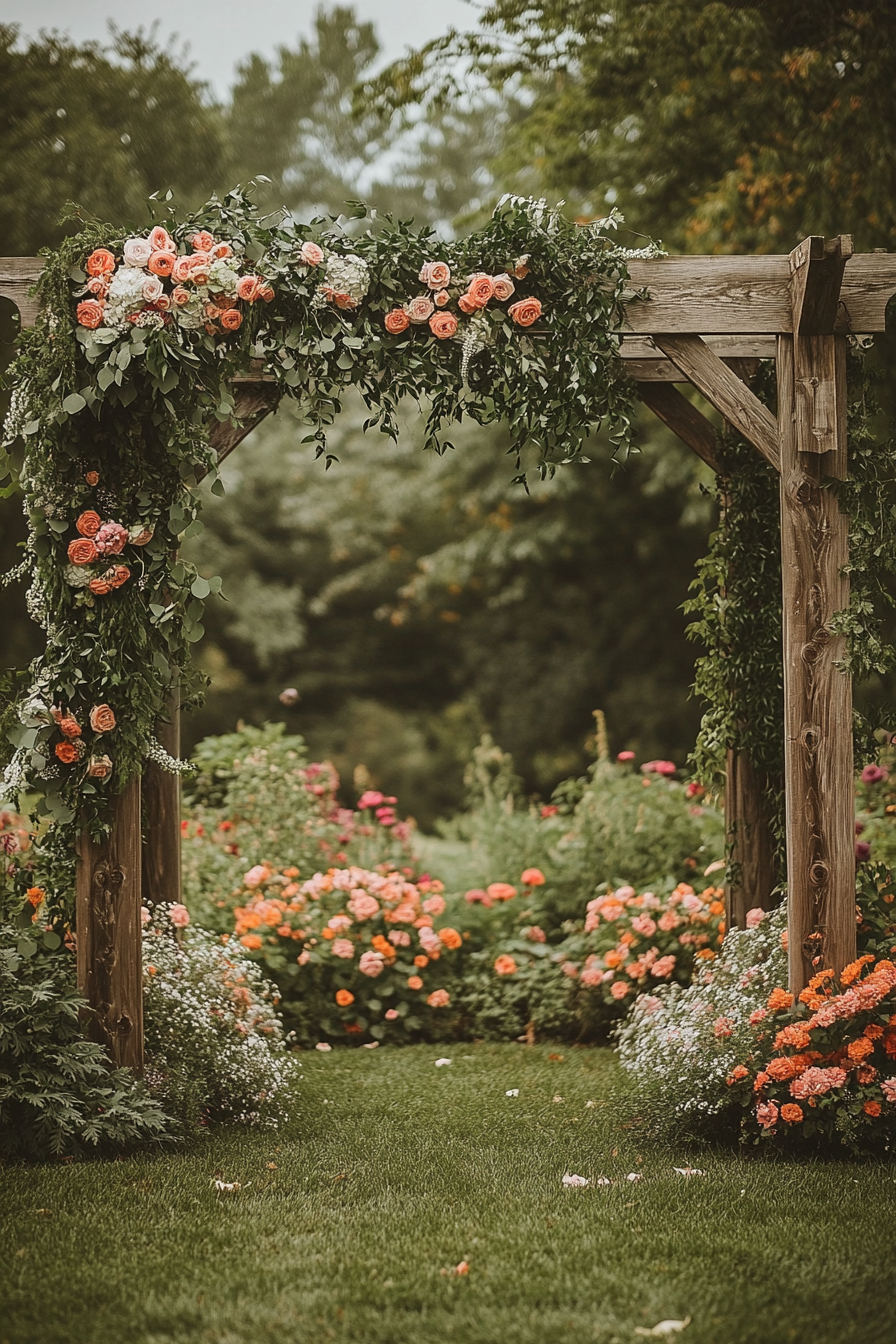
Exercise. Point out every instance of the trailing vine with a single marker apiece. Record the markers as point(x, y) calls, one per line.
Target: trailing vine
point(131, 361)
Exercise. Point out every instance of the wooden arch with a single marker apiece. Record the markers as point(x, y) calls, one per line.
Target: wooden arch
point(707, 322)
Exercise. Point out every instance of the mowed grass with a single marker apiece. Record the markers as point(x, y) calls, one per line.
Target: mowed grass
point(395, 1170)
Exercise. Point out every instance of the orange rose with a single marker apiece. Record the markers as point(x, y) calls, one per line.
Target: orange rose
point(100, 587)
point(267, 293)
point(344, 997)
point(414, 982)
point(532, 877)
point(505, 965)
point(791, 1114)
point(69, 727)
point(116, 576)
point(525, 312)
point(396, 322)
point(252, 941)
point(480, 289)
point(66, 752)
point(100, 262)
point(421, 961)
point(102, 719)
point(90, 313)
point(89, 523)
point(92, 478)
point(872, 1108)
point(780, 998)
point(220, 251)
point(248, 288)
point(82, 552)
point(100, 767)
point(451, 938)
point(231, 319)
point(161, 263)
point(439, 998)
point(182, 269)
point(202, 241)
point(443, 325)
point(466, 304)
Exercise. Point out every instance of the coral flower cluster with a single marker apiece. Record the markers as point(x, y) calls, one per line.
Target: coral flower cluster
point(154, 284)
point(432, 307)
point(72, 747)
point(370, 939)
point(98, 543)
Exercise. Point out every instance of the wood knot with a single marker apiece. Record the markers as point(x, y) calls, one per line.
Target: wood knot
point(124, 1026)
point(810, 737)
point(819, 874)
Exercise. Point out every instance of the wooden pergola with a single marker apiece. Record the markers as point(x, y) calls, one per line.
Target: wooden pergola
point(707, 322)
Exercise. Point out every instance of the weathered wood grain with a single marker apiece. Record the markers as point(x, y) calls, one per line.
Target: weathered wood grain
point(109, 932)
point(817, 694)
point(724, 390)
point(683, 418)
point(161, 854)
point(17, 276)
point(816, 277)
point(726, 347)
point(752, 876)
point(254, 397)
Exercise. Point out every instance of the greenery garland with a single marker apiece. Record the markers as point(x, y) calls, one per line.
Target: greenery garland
point(132, 359)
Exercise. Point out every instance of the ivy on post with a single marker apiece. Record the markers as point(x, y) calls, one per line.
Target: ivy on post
point(819, 791)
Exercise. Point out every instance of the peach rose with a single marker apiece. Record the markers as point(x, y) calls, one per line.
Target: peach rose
point(231, 319)
point(100, 587)
point(442, 298)
point(202, 241)
point(525, 312)
point(480, 289)
point(504, 287)
point(69, 727)
point(182, 269)
point(248, 288)
point(466, 304)
point(220, 251)
point(451, 938)
point(439, 998)
point(137, 251)
point(443, 325)
point(67, 752)
point(371, 963)
point(82, 552)
point(89, 313)
point(311, 254)
point(100, 262)
point(420, 309)
point(161, 263)
point(533, 877)
point(414, 982)
point(161, 241)
point(505, 965)
point(89, 523)
point(92, 477)
point(180, 296)
point(99, 767)
point(396, 321)
point(116, 576)
point(102, 719)
point(267, 293)
point(152, 289)
point(435, 274)
point(344, 997)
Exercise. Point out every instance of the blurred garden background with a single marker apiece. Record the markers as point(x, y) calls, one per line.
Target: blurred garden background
point(415, 602)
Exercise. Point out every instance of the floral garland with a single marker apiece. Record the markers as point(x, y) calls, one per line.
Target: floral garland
point(131, 360)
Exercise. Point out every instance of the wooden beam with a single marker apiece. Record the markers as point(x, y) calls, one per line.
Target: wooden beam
point(723, 389)
point(17, 276)
point(255, 396)
point(726, 347)
point(684, 419)
point(161, 854)
point(109, 932)
point(817, 693)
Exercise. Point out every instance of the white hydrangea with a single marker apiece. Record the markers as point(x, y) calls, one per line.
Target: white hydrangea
point(348, 275)
point(192, 315)
point(222, 278)
point(125, 296)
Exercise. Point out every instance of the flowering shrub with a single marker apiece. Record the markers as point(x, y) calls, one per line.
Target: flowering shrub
point(735, 1043)
point(214, 1042)
point(632, 942)
point(357, 953)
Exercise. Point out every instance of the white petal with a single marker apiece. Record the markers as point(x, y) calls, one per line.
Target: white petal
point(663, 1328)
point(440, 1062)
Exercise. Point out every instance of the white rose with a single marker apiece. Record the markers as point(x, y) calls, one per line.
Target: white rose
point(152, 288)
point(137, 251)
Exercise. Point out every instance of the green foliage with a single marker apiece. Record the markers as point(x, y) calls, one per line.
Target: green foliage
point(58, 1094)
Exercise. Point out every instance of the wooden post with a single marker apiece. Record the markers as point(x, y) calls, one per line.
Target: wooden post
point(161, 813)
point(108, 899)
point(752, 877)
point(817, 693)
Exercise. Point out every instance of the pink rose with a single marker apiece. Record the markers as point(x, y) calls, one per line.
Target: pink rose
point(419, 310)
point(371, 963)
point(248, 288)
point(145, 916)
point(668, 921)
point(504, 287)
point(137, 251)
point(644, 924)
point(363, 906)
point(343, 947)
point(754, 917)
point(391, 1014)
point(400, 938)
point(625, 756)
point(766, 1114)
point(111, 539)
point(663, 967)
point(888, 1087)
point(152, 289)
point(434, 905)
point(618, 990)
point(435, 274)
point(590, 977)
point(179, 916)
point(816, 1082)
point(256, 875)
point(202, 241)
point(160, 240)
point(658, 768)
point(339, 923)
point(442, 298)
point(304, 957)
point(311, 254)
point(182, 269)
point(370, 799)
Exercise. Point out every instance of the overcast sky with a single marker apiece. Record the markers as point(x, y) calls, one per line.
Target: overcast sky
point(221, 32)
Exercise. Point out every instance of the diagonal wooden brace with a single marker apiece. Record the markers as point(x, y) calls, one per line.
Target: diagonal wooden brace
point(724, 390)
point(683, 418)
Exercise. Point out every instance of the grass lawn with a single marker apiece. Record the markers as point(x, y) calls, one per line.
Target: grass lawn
point(395, 1170)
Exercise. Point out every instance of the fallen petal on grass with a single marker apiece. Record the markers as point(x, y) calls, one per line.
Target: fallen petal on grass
point(634, 1176)
point(576, 1182)
point(371, 1045)
point(323, 1045)
point(689, 1171)
point(512, 1092)
point(557, 1097)
point(440, 1062)
point(662, 1328)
